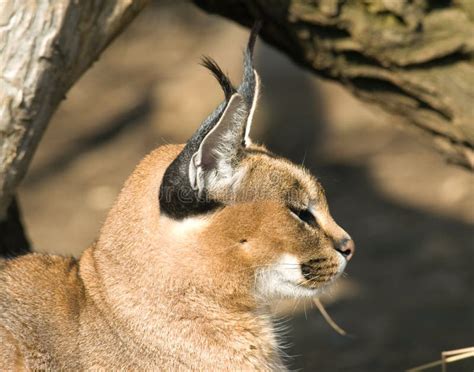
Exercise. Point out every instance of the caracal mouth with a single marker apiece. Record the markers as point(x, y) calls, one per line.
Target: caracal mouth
point(288, 278)
point(319, 274)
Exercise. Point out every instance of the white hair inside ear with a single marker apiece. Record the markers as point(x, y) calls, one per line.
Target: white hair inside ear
point(212, 166)
point(256, 94)
point(195, 173)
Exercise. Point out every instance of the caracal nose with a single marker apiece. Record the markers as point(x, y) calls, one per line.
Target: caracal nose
point(346, 247)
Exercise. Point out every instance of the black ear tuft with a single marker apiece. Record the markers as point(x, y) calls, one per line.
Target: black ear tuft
point(257, 26)
point(249, 80)
point(250, 86)
point(224, 133)
point(220, 76)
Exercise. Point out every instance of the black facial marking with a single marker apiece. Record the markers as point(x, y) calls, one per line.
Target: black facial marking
point(317, 270)
point(177, 198)
point(317, 260)
point(315, 274)
point(306, 270)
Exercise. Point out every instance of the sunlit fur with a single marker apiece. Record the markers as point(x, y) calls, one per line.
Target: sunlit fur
point(182, 291)
point(154, 292)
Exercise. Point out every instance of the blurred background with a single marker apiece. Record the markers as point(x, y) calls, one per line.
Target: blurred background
point(409, 290)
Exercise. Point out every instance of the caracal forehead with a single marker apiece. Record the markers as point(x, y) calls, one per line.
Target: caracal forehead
point(270, 177)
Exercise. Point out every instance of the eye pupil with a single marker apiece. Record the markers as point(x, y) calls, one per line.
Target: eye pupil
point(305, 215)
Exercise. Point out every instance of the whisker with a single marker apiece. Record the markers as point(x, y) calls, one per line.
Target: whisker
point(304, 157)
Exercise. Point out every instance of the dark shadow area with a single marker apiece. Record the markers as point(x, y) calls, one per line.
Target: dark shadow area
point(129, 119)
point(294, 115)
point(412, 269)
point(13, 239)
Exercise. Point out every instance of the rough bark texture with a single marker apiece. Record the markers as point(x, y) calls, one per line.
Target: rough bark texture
point(45, 46)
point(414, 58)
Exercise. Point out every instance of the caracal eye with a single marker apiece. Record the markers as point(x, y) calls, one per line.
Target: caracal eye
point(304, 215)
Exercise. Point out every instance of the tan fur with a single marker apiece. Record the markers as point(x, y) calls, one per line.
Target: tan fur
point(158, 294)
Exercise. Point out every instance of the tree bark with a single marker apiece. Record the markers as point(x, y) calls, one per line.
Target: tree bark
point(413, 58)
point(45, 46)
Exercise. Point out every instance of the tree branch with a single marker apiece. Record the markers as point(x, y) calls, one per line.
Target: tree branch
point(414, 59)
point(45, 47)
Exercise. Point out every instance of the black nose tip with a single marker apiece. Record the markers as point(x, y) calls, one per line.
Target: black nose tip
point(346, 247)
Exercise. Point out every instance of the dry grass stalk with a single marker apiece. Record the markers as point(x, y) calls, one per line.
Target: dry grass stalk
point(446, 357)
point(328, 318)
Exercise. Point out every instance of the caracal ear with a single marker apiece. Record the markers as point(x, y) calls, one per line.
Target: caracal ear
point(212, 167)
point(208, 164)
point(250, 86)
